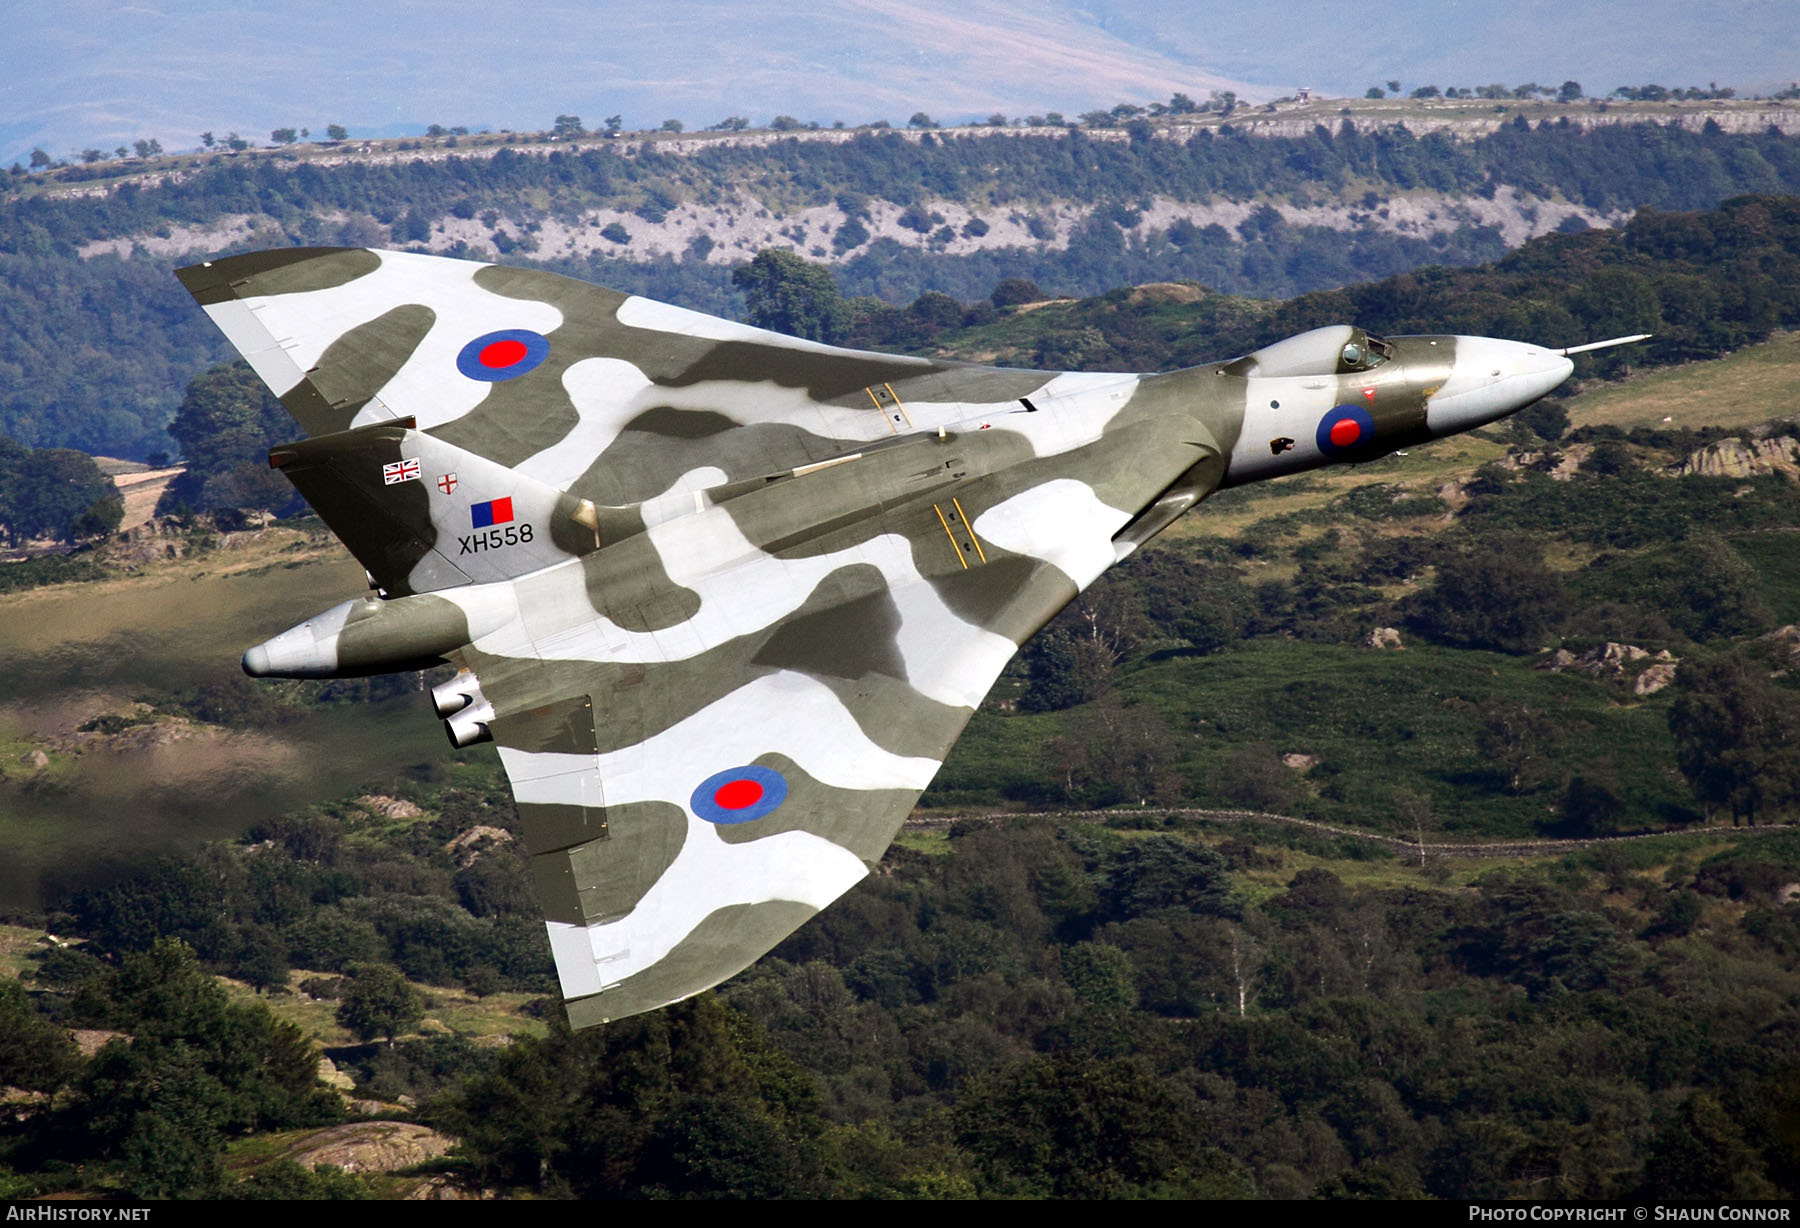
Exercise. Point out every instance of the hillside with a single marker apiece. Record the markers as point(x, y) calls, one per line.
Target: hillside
point(1241, 1009)
point(96, 340)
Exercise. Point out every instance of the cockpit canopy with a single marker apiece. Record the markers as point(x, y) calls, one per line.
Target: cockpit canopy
point(1337, 349)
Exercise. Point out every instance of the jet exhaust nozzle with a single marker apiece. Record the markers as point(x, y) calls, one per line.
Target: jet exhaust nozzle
point(458, 693)
point(471, 725)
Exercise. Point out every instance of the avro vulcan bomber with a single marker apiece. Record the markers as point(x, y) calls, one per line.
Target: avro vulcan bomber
point(722, 598)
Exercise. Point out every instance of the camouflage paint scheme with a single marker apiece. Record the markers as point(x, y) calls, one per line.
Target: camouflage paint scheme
point(725, 598)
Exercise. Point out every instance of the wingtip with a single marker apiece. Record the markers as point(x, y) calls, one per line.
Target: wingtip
point(211, 280)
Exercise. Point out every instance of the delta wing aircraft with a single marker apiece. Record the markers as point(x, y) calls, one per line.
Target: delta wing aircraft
point(723, 598)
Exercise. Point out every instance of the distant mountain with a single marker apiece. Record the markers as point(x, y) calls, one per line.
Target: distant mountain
point(97, 339)
point(97, 74)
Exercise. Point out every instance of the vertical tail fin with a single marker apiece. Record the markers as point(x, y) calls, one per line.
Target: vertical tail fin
point(422, 515)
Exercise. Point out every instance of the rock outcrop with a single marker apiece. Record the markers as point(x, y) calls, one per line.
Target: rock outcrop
point(389, 807)
point(1648, 673)
point(1786, 641)
point(1745, 458)
point(374, 1146)
point(467, 847)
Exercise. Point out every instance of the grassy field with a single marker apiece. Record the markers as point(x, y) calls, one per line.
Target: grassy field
point(1757, 383)
point(77, 651)
point(1377, 722)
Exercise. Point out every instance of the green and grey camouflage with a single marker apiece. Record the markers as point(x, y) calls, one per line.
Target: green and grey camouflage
point(724, 599)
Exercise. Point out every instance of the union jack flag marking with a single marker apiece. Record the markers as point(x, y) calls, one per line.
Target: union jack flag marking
point(400, 471)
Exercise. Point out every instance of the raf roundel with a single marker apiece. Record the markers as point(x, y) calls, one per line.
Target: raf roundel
point(1346, 428)
point(503, 355)
point(739, 794)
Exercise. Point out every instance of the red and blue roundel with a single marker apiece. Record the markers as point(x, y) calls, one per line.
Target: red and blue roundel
point(504, 355)
point(1346, 428)
point(739, 794)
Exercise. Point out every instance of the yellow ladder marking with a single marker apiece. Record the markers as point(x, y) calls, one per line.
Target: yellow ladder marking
point(897, 404)
point(947, 533)
point(894, 401)
point(976, 541)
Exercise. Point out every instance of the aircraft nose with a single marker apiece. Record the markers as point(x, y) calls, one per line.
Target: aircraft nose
point(1534, 370)
point(1493, 378)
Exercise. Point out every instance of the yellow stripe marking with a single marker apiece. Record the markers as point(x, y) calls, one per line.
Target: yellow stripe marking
point(979, 552)
point(882, 409)
point(951, 536)
point(898, 405)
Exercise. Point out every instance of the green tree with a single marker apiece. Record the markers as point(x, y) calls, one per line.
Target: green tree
point(336, 132)
point(226, 425)
point(790, 295)
point(284, 136)
point(1590, 807)
point(1498, 596)
point(1709, 592)
point(54, 492)
point(1548, 420)
point(1015, 290)
point(100, 518)
point(1701, 1153)
point(1101, 975)
point(1737, 738)
point(1257, 779)
point(378, 1001)
point(1065, 669)
point(1516, 739)
point(263, 962)
point(1075, 1126)
point(35, 1054)
point(568, 127)
point(1163, 875)
point(1110, 753)
point(156, 1108)
point(687, 1100)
